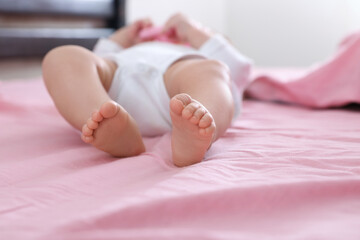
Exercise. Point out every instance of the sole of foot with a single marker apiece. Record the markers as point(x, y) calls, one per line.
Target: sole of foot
point(193, 130)
point(112, 129)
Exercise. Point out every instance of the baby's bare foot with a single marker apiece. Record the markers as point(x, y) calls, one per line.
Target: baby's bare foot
point(112, 130)
point(193, 130)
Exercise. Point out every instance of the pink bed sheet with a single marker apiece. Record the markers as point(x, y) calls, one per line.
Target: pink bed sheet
point(281, 172)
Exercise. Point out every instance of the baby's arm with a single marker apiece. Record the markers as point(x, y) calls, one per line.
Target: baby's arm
point(183, 29)
point(124, 37)
point(212, 45)
point(219, 48)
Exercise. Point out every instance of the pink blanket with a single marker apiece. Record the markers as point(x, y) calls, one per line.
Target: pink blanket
point(333, 83)
point(281, 172)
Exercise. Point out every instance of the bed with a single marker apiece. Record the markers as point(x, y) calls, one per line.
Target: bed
point(282, 171)
point(32, 28)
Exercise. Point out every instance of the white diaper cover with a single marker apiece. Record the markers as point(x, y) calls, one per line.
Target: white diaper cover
point(138, 85)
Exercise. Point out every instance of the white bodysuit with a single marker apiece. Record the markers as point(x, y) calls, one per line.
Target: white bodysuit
point(138, 84)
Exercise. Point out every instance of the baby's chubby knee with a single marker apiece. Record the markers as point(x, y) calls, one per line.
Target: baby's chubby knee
point(58, 57)
point(62, 54)
point(76, 60)
point(196, 72)
point(213, 64)
point(210, 69)
point(201, 69)
point(216, 68)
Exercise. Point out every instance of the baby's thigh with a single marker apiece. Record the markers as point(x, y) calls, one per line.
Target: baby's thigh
point(192, 73)
point(71, 59)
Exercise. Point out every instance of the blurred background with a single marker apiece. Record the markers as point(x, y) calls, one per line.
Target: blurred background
point(275, 33)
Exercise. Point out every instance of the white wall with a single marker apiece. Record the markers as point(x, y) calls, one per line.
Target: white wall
point(290, 32)
point(272, 32)
point(210, 12)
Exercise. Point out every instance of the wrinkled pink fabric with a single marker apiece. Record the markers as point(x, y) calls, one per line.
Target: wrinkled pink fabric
point(281, 172)
point(333, 83)
point(155, 33)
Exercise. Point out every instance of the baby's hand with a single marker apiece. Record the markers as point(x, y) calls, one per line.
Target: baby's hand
point(155, 33)
point(151, 33)
point(129, 36)
point(183, 29)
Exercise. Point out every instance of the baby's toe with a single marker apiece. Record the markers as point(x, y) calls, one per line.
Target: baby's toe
point(198, 114)
point(207, 131)
point(92, 124)
point(189, 110)
point(109, 109)
point(184, 98)
point(87, 139)
point(176, 106)
point(86, 131)
point(206, 120)
point(97, 117)
point(178, 102)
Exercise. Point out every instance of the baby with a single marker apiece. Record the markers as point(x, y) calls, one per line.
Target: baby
point(132, 85)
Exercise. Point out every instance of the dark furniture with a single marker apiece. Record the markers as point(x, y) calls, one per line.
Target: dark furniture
point(36, 41)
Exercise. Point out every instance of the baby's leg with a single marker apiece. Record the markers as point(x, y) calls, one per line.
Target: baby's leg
point(78, 81)
point(201, 107)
